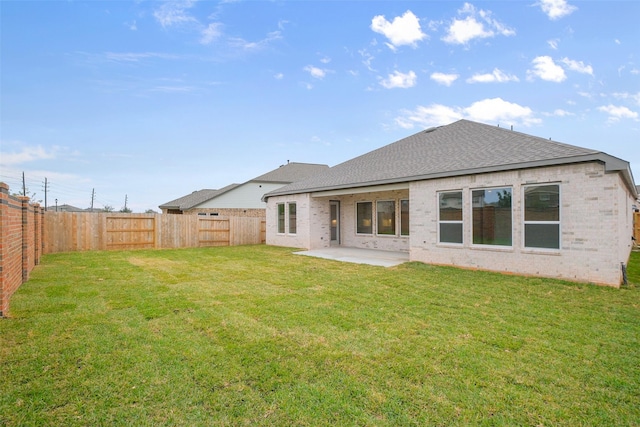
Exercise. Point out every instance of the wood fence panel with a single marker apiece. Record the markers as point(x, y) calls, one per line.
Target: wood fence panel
point(636, 227)
point(84, 231)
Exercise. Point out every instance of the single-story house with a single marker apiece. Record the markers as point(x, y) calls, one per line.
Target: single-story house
point(470, 195)
point(244, 200)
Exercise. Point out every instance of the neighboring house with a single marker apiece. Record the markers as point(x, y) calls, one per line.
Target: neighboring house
point(241, 199)
point(474, 196)
point(64, 208)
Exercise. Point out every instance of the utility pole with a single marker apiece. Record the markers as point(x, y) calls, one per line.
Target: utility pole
point(45, 193)
point(24, 185)
point(93, 196)
point(125, 202)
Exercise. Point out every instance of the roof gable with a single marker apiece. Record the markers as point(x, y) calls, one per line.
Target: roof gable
point(461, 148)
point(195, 198)
point(292, 172)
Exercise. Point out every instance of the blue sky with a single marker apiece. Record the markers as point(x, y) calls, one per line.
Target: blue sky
point(152, 100)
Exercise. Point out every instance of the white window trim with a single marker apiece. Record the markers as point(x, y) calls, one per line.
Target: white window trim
point(485, 246)
point(288, 218)
point(400, 218)
point(450, 222)
point(395, 217)
point(559, 222)
point(372, 219)
point(281, 233)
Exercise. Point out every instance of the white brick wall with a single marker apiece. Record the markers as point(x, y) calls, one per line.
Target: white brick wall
point(595, 231)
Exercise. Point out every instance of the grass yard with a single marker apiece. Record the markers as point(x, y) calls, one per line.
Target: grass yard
point(258, 336)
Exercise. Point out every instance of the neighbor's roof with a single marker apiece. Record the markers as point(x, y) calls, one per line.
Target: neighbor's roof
point(292, 172)
point(195, 198)
point(285, 174)
point(461, 148)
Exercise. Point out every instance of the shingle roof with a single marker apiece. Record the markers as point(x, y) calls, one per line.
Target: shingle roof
point(195, 198)
point(292, 172)
point(285, 174)
point(461, 148)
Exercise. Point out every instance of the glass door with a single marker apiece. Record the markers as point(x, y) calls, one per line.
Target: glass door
point(334, 208)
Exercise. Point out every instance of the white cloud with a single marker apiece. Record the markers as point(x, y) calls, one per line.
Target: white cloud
point(497, 110)
point(444, 79)
point(174, 13)
point(635, 97)
point(133, 57)
point(260, 44)
point(477, 24)
point(27, 154)
point(496, 76)
point(546, 69)
point(618, 112)
point(211, 33)
point(403, 30)
point(400, 80)
point(433, 115)
point(577, 66)
point(278, 76)
point(553, 44)
point(559, 113)
point(315, 72)
point(492, 111)
point(556, 9)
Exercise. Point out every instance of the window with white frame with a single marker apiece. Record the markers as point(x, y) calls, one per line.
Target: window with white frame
point(450, 217)
point(542, 216)
point(364, 217)
point(292, 218)
point(386, 215)
point(492, 216)
point(280, 213)
point(404, 217)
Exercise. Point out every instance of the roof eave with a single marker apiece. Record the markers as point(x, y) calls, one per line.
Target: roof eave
point(612, 164)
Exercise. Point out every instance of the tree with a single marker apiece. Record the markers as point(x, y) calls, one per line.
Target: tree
point(125, 210)
point(107, 208)
point(150, 211)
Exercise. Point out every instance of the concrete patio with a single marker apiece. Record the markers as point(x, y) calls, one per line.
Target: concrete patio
point(360, 256)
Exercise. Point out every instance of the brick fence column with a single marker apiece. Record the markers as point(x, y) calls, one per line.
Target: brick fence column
point(25, 237)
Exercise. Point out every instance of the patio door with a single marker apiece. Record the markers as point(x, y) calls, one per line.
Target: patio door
point(334, 226)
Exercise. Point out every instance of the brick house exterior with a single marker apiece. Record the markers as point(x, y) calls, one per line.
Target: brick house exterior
point(473, 196)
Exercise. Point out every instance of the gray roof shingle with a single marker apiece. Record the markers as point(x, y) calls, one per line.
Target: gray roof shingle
point(292, 172)
point(461, 148)
point(195, 198)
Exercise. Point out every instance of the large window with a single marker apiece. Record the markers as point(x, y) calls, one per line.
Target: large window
point(492, 216)
point(386, 214)
point(542, 216)
point(280, 217)
point(404, 217)
point(364, 217)
point(450, 217)
point(292, 218)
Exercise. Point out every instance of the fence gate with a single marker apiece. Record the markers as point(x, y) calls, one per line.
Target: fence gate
point(131, 232)
point(214, 232)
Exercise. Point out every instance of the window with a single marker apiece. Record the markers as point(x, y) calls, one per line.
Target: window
point(292, 218)
point(542, 216)
point(450, 217)
point(492, 216)
point(386, 214)
point(280, 217)
point(364, 217)
point(404, 217)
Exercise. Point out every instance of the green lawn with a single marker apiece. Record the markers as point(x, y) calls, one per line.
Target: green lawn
point(258, 336)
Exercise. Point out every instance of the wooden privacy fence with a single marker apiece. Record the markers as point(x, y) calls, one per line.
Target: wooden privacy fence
point(84, 231)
